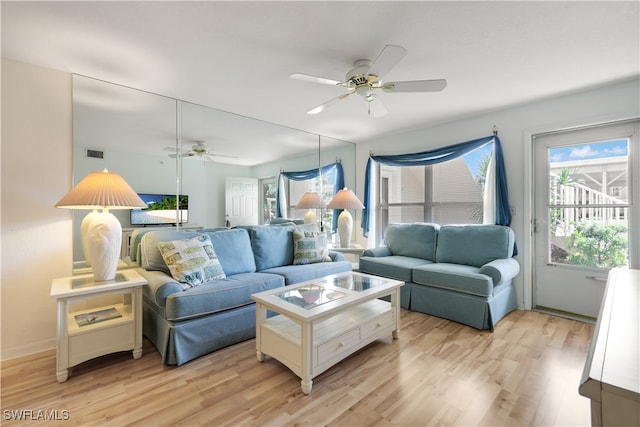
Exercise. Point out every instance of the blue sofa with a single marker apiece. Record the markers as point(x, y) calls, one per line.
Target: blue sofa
point(185, 324)
point(458, 272)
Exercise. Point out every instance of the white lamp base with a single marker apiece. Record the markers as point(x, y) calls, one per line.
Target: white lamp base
point(310, 217)
point(84, 228)
point(104, 238)
point(345, 228)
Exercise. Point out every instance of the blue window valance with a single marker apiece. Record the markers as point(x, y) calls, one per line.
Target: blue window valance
point(424, 158)
point(334, 174)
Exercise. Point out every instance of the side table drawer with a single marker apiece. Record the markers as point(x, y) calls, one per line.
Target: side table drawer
point(83, 347)
point(336, 346)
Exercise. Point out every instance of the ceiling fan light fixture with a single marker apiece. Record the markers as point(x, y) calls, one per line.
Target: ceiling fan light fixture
point(366, 76)
point(364, 91)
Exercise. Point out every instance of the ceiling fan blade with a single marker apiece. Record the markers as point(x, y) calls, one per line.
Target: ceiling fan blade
point(415, 86)
point(377, 108)
point(221, 155)
point(320, 108)
point(387, 59)
point(315, 79)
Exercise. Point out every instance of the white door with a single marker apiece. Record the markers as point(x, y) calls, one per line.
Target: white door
point(241, 198)
point(585, 220)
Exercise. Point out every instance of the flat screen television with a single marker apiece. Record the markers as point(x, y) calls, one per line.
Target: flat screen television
point(161, 210)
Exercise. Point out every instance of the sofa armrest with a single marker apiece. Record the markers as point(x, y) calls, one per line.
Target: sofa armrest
point(161, 285)
point(377, 252)
point(336, 256)
point(501, 269)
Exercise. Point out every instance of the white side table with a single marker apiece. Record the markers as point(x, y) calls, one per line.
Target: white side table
point(103, 330)
point(355, 250)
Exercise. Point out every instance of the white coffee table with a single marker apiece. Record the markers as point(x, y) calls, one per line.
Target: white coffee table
point(323, 321)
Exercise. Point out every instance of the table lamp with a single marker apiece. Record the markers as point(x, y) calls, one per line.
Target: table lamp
point(345, 199)
point(101, 232)
point(310, 200)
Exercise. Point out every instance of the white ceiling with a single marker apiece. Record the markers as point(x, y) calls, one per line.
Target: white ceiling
point(237, 56)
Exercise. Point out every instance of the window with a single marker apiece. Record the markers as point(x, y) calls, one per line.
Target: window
point(445, 193)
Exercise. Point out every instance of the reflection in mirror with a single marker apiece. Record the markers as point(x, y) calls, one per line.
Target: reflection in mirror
point(165, 146)
point(124, 130)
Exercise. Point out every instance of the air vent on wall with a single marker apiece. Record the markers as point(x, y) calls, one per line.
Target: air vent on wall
point(95, 154)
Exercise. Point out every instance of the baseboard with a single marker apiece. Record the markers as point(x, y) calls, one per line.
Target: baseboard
point(565, 314)
point(27, 350)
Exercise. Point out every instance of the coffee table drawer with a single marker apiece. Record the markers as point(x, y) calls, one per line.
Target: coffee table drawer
point(382, 322)
point(337, 346)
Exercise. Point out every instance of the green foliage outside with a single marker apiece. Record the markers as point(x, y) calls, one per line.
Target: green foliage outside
point(564, 179)
point(598, 245)
point(168, 203)
point(483, 168)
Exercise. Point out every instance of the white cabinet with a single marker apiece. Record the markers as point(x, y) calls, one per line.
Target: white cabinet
point(98, 330)
point(611, 376)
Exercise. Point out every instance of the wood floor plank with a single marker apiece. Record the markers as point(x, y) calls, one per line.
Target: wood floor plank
point(438, 373)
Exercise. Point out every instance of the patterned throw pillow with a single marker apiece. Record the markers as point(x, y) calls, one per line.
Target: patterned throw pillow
point(309, 247)
point(191, 261)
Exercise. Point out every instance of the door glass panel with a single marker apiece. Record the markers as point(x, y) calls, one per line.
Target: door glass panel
point(588, 191)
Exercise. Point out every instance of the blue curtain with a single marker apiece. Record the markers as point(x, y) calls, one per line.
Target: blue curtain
point(334, 174)
point(503, 213)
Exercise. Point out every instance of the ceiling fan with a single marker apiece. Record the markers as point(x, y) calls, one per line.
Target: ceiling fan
point(366, 77)
point(198, 150)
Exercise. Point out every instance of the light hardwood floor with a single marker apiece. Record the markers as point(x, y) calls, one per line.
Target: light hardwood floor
point(438, 373)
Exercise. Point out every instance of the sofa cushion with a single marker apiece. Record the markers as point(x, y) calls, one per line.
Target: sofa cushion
point(219, 295)
point(455, 277)
point(286, 221)
point(299, 273)
point(309, 247)
point(192, 261)
point(474, 245)
point(151, 258)
point(393, 266)
point(416, 240)
point(134, 242)
point(272, 246)
point(234, 250)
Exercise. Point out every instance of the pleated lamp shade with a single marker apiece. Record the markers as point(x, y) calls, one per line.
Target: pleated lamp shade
point(345, 199)
point(101, 190)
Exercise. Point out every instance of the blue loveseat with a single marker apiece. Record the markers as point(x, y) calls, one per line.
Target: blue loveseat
point(462, 273)
point(185, 324)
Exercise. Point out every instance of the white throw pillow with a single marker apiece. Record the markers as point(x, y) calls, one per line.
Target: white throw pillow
point(309, 247)
point(191, 261)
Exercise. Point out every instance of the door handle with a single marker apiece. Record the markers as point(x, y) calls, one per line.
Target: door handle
point(601, 279)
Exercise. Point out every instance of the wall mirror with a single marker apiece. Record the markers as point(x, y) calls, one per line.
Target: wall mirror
point(153, 142)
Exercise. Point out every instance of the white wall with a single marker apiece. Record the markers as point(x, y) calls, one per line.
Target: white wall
point(36, 173)
point(514, 125)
